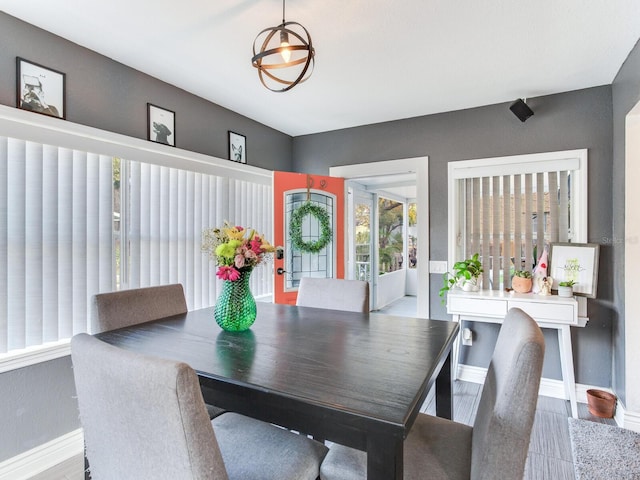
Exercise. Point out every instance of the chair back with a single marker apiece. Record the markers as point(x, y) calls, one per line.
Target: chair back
point(143, 417)
point(334, 294)
point(131, 307)
point(506, 411)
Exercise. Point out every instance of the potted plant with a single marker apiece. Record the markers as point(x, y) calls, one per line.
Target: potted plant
point(565, 288)
point(465, 275)
point(522, 281)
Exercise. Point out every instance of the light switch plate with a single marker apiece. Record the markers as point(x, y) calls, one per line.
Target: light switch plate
point(437, 266)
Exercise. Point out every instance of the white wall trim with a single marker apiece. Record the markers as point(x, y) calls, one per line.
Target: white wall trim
point(46, 456)
point(554, 389)
point(23, 124)
point(631, 246)
point(36, 354)
point(630, 420)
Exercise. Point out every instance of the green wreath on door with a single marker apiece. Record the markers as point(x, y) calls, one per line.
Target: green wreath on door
point(295, 228)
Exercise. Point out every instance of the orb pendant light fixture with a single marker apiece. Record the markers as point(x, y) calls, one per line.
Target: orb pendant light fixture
point(283, 55)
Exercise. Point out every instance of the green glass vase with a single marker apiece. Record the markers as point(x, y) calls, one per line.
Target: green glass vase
point(235, 309)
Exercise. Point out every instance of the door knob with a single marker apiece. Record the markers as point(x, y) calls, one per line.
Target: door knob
point(280, 271)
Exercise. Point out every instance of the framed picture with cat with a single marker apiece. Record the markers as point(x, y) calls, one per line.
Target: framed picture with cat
point(237, 147)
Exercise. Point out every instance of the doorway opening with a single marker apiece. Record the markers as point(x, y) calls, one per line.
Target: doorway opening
point(397, 181)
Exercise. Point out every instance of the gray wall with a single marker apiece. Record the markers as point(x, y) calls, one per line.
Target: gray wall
point(37, 406)
point(108, 95)
point(626, 93)
point(37, 402)
point(579, 119)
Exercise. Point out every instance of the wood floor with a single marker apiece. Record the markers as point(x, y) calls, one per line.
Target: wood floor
point(550, 448)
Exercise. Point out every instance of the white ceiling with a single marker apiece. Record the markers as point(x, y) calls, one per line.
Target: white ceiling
point(400, 185)
point(376, 60)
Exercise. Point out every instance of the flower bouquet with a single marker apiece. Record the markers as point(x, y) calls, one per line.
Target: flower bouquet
point(236, 250)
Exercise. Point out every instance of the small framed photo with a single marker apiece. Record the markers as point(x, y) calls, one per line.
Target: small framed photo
point(161, 125)
point(40, 89)
point(576, 262)
point(237, 147)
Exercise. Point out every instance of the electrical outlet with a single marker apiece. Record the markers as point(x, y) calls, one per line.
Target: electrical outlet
point(467, 337)
point(436, 266)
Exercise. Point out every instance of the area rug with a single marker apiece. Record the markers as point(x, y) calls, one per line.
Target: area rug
point(604, 451)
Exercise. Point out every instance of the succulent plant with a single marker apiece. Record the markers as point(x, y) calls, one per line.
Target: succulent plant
point(522, 274)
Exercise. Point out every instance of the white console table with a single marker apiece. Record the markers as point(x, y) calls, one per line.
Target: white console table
point(551, 311)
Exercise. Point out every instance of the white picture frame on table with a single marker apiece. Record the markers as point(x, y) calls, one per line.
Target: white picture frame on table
point(577, 262)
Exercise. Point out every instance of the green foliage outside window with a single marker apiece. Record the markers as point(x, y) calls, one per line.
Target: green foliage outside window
point(390, 240)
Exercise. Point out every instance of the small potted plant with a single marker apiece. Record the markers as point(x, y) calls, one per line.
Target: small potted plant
point(522, 281)
point(465, 275)
point(565, 288)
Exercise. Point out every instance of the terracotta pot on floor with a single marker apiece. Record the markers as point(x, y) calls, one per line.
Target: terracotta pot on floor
point(601, 404)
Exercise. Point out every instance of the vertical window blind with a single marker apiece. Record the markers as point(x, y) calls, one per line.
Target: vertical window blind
point(55, 240)
point(510, 219)
point(69, 230)
point(508, 209)
point(168, 209)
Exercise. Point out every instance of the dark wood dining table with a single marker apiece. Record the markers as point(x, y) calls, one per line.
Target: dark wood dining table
point(352, 378)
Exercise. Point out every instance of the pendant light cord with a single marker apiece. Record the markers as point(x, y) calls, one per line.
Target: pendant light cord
point(283, 11)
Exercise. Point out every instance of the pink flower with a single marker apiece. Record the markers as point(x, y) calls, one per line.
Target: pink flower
point(228, 273)
point(239, 260)
point(251, 256)
point(256, 244)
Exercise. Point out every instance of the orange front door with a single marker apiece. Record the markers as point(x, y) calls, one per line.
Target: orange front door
point(300, 255)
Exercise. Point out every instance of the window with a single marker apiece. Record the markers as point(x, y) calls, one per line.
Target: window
point(363, 238)
point(308, 264)
point(495, 208)
point(412, 237)
point(75, 223)
point(390, 237)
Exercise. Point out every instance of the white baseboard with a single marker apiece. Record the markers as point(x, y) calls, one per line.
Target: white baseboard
point(554, 389)
point(627, 419)
point(62, 449)
point(45, 457)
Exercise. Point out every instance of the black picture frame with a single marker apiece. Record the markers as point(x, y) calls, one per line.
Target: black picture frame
point(161, 125)
point(237, 147)
point(40, 89)
point(577, 262)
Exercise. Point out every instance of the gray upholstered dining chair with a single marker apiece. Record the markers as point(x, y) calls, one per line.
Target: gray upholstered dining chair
point(334, 294)
point(497, 444)
point(138, 305)
point(144, 417)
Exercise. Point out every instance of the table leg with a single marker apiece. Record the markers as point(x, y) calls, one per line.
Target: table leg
point(456, 348)
point(444, 390)
point(566, 362)
point(385, 458)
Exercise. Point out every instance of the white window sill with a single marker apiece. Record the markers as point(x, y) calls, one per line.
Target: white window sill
point(32, 355)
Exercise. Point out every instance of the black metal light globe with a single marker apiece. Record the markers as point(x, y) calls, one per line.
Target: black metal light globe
point(283, 55)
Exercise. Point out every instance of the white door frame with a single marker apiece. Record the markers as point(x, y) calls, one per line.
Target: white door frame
point(632, 257)
point(419, 166)
point(358, 195)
